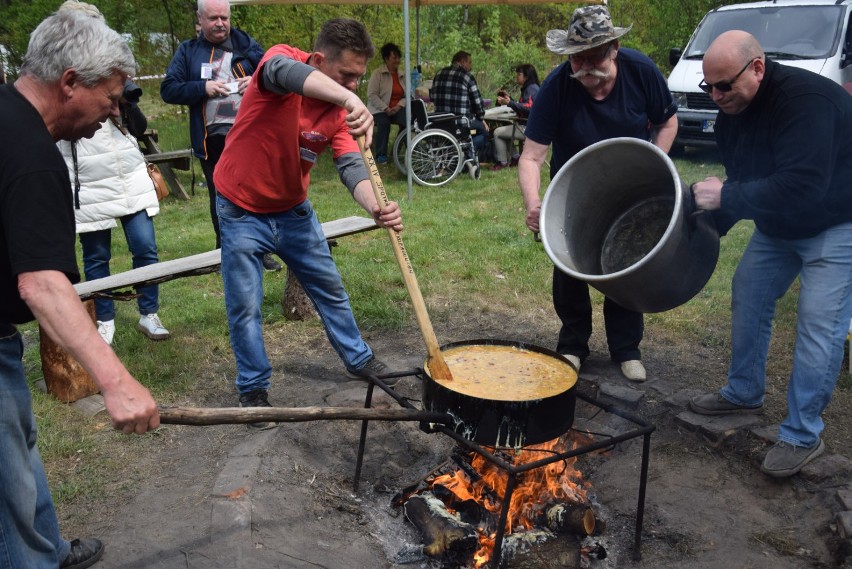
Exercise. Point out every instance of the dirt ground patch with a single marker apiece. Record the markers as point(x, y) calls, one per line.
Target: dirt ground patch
point(225, 497)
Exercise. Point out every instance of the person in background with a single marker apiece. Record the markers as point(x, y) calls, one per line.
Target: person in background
point(298, 105)
point(783, 134)
point(454, 90)
point(110, 181)
point(386, 98)
point(209, 74)
point(72, 78)
point(603, 91)
point(506, 135)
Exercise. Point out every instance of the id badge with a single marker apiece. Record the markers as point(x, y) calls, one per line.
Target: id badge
point(207, 71)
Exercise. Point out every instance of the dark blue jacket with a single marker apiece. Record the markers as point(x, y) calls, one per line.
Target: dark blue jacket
point(788, 156)
point(183, 84)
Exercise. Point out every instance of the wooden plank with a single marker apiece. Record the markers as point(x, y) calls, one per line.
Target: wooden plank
point(201, 263)
point(91, 405)
point(179, 159)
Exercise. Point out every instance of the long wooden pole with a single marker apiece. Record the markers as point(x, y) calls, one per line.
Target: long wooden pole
point(438, 368)
point(234, 415)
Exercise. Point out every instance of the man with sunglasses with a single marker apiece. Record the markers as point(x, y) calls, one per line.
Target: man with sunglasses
point(602, 92)
point(784, 136)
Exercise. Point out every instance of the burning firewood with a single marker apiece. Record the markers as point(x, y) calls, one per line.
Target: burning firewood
point(578, 519)
point(445, 536)
point(541, 548)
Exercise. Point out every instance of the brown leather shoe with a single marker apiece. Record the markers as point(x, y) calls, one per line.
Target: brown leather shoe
point(715, 404)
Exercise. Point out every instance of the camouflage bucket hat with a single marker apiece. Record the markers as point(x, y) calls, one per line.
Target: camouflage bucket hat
point(590, 27)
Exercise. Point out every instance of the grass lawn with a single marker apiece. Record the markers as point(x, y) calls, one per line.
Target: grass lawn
point(468, 245)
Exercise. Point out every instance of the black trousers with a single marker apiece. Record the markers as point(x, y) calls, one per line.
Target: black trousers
point(624, 328)
point(215, 146)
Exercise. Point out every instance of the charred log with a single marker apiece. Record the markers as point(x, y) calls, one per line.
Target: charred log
point(577, 519)
point(445, 537)
point(420, 485)
point(540, 548)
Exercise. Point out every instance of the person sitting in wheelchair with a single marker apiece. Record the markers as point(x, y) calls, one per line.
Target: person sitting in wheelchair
point(454, 90)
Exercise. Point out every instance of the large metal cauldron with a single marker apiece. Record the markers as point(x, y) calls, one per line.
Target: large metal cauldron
point(500, 422)
point(618, 217)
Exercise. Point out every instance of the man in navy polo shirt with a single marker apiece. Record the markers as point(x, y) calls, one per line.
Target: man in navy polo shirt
point(603, 91)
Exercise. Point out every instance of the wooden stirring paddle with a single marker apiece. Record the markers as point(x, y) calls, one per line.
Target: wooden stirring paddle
point(438, 368)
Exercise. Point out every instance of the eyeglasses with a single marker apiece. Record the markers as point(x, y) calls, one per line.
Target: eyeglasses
point(590, 57)
point(724, 86)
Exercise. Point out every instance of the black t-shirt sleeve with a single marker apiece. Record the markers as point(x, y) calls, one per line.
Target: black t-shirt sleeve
point(39, 224)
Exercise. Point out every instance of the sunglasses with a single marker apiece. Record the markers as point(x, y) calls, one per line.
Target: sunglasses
point(723, 86)
point(590, 57)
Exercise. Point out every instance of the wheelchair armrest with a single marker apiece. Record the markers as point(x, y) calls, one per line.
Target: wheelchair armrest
point(440, 117)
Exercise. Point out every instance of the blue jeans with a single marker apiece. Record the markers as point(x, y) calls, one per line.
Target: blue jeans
point(767, 269)
point(29, 530)
point(382, 132)
point(297, 237)
point(480, 139)
point(97, 251)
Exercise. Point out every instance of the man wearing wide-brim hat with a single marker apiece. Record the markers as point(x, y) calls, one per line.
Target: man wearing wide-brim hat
point(603, 91)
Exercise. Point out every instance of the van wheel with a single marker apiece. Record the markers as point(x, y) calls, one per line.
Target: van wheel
point(677, 150)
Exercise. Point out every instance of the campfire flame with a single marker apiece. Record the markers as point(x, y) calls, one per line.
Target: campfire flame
point(536, 489)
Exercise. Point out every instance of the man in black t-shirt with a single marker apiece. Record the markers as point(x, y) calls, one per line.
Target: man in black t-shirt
point(49, 102)
point(603, 91)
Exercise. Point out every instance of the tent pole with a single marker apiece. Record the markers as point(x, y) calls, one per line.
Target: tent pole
point(407, 94)
point(417, 35)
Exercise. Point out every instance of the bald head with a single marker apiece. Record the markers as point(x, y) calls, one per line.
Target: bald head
point(735, 45)
point(734, 67)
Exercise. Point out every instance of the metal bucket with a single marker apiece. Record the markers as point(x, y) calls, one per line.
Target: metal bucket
point(618, 217)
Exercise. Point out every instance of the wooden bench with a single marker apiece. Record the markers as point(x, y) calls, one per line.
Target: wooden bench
point(167, 161)
point(199, 264)
point(69, 382)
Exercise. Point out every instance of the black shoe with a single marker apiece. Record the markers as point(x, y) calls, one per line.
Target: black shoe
point(374, 366)
point(84, 553)
point(270, 264)
point(257, 398)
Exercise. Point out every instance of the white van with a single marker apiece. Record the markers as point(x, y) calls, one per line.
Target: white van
point(812, 34)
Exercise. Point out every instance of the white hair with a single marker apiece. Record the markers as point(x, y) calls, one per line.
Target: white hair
point(202, 4)
point(75, 37)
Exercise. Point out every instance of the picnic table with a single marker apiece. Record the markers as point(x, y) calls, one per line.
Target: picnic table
point(167, 161)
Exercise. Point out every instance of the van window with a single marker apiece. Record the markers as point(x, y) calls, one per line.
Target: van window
point(785, 32)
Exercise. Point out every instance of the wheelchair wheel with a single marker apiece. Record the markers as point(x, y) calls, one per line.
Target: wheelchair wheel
point(399, 147)
point(436, 158)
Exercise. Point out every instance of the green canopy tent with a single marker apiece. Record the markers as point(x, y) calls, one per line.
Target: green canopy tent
point(407, 27)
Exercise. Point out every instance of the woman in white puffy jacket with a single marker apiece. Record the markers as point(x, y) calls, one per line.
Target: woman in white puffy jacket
point(110, 182)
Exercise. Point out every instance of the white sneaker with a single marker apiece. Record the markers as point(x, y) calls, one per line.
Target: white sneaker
point(106, 329)
point(633, 370)
point(150, 325)
point(574, 360)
